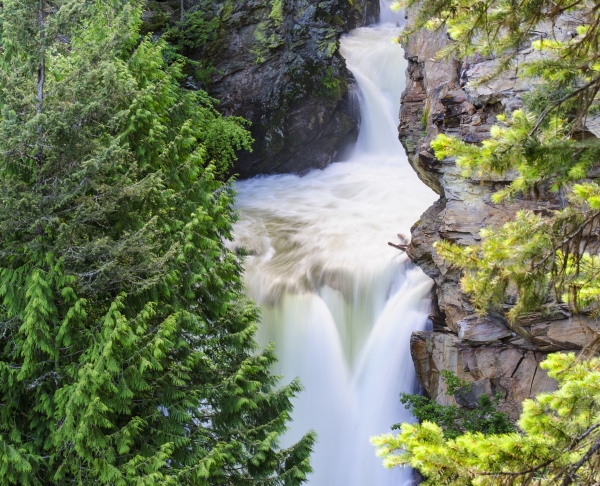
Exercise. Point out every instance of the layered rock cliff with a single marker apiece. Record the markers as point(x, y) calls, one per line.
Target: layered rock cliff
point(277, 64)
point(442, 97)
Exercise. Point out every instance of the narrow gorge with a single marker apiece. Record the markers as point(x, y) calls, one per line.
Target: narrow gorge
point(339, 303)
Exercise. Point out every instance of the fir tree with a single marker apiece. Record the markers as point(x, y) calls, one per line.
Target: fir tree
point(126, 345)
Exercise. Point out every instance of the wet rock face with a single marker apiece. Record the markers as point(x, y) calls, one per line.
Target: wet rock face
point(439, 98)
point(277, 65)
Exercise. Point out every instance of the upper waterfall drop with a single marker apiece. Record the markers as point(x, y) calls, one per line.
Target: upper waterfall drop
point(339, 303)
point(378, 65)
point(388, 16)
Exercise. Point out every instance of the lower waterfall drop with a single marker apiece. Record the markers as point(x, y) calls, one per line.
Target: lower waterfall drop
point(339, 303)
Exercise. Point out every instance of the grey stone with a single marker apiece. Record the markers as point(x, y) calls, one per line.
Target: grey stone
point(513, 372)
point(273, 72)
point(469, 397)
point(478, 331)
point(455, 97)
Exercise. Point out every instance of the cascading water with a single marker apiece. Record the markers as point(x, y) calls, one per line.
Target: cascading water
point(338, 301)
point(387, 15)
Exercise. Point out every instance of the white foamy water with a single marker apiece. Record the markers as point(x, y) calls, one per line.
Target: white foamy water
point(338, 301)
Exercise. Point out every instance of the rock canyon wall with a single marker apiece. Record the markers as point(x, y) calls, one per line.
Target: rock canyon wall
point(500, 357)
point(277, 64)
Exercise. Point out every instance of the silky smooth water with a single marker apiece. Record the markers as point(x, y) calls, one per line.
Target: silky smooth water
point(339, 303)
point(387, 15)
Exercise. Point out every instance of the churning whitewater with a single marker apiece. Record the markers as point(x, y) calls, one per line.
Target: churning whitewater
point(339, 303)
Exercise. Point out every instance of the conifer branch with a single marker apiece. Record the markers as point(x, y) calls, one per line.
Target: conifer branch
point(567, 239)
point(519, 473)
point(42, 66)
point(570, 473)
point(41, 79)
point(556, 104)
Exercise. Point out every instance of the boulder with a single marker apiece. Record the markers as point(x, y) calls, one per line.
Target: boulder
point(477, 331)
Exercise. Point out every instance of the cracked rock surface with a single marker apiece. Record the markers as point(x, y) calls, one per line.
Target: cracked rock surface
point(440, 97)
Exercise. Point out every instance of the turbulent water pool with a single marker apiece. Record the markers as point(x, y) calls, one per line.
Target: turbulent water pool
point(339, 303)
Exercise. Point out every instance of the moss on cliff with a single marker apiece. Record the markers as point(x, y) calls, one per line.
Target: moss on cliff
point(276, 64)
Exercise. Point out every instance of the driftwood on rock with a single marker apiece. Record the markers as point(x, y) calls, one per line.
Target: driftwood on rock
point(399, 247)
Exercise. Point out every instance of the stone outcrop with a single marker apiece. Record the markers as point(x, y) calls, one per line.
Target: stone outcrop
point(500, 368)
point(277, 65)
point(441, 97)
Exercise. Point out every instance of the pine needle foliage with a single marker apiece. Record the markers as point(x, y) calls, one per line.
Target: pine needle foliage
point(126, 345)
point(539, 259)
point(542, 258)
point(557, 444)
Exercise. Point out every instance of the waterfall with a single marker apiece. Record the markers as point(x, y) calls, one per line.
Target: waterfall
point(387, 15)
point(339, 303)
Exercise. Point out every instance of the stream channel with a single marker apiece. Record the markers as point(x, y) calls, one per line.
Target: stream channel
point(339, 303)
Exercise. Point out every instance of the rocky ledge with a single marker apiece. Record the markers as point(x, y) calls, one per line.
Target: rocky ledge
point(498, 356)
point(278, 65)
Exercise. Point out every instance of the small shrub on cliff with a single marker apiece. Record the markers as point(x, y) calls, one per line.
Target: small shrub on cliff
point(197, 26)
point(453, 420)
point(558, 442)
point(331, 84)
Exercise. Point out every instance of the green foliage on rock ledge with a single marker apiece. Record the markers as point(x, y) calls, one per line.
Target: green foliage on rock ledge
point(453, 420)
point(126, 345)
point(558, 443)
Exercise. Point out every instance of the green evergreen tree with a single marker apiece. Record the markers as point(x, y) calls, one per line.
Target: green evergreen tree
point(126, 345)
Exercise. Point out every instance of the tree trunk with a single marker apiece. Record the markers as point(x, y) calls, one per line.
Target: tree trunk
point(41, 80)
point(42, 67)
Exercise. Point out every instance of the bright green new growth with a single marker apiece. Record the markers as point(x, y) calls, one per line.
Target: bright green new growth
point(126, 345)
point(558, 442)
point(541, 258)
